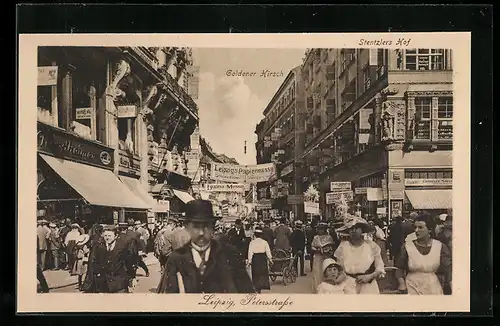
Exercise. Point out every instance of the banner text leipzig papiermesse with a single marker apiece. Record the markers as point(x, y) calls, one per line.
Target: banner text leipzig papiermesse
point(242, 173)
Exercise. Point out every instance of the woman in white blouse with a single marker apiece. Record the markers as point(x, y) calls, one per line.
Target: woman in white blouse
point(360, 259)
point(259, 256)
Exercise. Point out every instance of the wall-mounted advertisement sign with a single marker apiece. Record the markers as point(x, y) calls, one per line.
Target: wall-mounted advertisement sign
point(340, 186)
point(60, 143)
point(428, 182)
point(84, 113)
point(126, 111)
point(242, 173)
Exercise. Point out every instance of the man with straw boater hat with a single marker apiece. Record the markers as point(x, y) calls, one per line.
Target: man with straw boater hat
point(205, 265)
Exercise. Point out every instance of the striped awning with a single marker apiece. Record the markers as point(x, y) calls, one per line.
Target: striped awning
point(430, 198)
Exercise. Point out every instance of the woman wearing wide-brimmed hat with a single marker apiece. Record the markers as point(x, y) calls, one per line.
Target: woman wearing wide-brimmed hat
point(82, 252)
point(322, 241)
point(361, 259)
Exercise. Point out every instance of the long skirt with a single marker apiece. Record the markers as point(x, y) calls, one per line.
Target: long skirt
point(317, 271)
point(260, 272)
point(421, 283)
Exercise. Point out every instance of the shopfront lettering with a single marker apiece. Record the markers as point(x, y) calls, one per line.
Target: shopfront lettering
point(60, 143)
point(428, 182)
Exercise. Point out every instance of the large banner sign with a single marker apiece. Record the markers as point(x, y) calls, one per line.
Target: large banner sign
point(242, 173)
point(225, 187)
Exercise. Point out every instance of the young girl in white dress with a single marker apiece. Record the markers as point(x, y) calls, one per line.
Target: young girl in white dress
point(335, 280)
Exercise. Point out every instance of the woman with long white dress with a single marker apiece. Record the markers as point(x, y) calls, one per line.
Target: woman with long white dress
point(360, 258)
point(424, 265)
point(259, 257)
point(320, 242)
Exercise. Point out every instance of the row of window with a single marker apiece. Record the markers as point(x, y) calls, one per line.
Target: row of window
point(415, 174)
point(285, 100)
point(425, 59)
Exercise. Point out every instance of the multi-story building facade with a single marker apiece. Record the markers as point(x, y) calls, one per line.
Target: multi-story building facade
point(280, 140)
point(101, 110)
point(382, 120)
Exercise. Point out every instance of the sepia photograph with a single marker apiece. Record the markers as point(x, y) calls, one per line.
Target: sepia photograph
point(246, 177)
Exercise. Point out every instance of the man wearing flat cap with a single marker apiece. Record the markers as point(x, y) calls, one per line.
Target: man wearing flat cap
point(205, 265)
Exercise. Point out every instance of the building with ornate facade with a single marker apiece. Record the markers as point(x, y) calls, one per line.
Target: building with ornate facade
point(381, 120)
point(113, 124)
point(280, 140)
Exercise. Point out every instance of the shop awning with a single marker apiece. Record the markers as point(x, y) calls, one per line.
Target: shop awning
point(135, 186)
point(97, 186)
point(374, 194)
point(184, 196)
point(430, 198)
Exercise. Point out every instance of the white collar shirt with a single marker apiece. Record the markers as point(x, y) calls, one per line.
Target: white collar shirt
point(197, 256)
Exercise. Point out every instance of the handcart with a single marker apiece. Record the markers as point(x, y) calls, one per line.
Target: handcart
point(283, 266)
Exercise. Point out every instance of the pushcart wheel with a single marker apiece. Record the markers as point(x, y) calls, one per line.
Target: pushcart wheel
point(272, 277)
point(293, 275)
point(286, 275)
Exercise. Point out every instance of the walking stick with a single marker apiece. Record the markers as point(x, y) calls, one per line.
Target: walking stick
point(181, 283)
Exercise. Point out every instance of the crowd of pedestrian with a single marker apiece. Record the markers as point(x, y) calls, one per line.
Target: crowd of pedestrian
point(65, 245)
point(200, 254)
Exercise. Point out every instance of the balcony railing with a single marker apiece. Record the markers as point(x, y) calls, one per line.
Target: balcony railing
point(146, 55)
point(178, 91)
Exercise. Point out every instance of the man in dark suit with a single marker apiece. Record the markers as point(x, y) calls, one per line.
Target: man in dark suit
point(205, 265)
point(298, 243)
point(310, 233)
point(237, 237)
point(134, 240)
point(113, 263)
point(268, 234)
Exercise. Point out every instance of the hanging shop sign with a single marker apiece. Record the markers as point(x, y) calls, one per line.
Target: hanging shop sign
point(340, 186)
point(126, 111)
point(47, 76)
point(336, 197)
point(311, 207)
point(242, 173)
point(59, 143)
point(84, 113)
point(428, 182)
point(225, 187)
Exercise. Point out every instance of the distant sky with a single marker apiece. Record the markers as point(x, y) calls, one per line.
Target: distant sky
point(230, 107)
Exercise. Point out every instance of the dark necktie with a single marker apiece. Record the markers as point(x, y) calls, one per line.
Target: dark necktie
point(203, 265)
